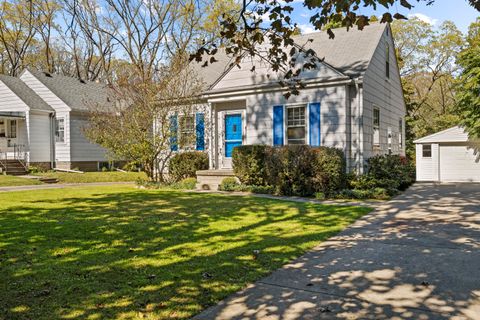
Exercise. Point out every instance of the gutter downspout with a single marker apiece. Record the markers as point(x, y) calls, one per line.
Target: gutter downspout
point(52, 140)
point(360, 139)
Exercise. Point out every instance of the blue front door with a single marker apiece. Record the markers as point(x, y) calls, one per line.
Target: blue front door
point(233, 133)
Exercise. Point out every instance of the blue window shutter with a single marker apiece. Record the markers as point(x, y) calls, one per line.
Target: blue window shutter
point(173, 133)
point(314, 123)
point(200, 130)
point(278, 126)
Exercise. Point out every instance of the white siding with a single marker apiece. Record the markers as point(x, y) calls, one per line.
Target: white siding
point(41, 90)
point(386, 94)
point(40, 137)
point(259, 115)
point(262, 75)
point(332, 108)
point(82, 149)
point(427, 168)
point(62, 149)
point(9, 101)
point(459, 163)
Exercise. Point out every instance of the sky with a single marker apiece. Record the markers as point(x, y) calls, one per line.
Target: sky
point(458, 11)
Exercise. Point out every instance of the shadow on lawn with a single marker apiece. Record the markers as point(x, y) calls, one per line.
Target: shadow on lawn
point(416, 257)
point(146, 254)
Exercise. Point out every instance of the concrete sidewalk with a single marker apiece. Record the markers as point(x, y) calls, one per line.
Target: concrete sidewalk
point(61, 186)
point(415, 257)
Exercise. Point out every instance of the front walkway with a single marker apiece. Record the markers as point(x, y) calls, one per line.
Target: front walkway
point(415, 257)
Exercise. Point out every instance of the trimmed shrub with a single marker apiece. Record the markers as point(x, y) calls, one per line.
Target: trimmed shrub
point(320, 196)
point(329, 170)
point(295, 170)
point(185, 184)
point(393, 168)
point(261, 189)
point(298, 170)
point(250, 164)
point(185, 164)
point(382, 194)
point(229, 184)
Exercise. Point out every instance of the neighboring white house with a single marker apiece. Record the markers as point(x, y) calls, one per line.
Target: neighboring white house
point(448, 156)
point(352, 101)
point(42, 116)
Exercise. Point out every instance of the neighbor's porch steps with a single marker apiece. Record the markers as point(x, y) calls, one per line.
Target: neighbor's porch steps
point(14, 168)
point(211, 179)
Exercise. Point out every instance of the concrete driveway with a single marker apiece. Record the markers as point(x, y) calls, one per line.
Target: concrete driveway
point(416, 257)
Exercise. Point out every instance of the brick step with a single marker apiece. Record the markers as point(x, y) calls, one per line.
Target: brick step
point(48, 180)
point(17, 173)
point(16, 166)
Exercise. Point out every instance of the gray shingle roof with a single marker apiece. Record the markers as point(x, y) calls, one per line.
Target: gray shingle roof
point(78, 95)
point(349, 52)
point(31, 99)
point(211, 73)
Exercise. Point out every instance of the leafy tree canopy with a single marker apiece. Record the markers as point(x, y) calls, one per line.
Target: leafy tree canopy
point(249, 33)
point(468, 88)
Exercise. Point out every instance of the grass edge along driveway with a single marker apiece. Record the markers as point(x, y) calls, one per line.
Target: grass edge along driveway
point(121, 253)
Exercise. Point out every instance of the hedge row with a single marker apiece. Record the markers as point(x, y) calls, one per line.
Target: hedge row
point(291, 170)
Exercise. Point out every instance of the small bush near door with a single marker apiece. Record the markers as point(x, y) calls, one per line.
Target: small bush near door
point(250, 164)
point(186, 164)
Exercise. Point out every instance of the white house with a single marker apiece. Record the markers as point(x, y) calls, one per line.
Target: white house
point(352, 101)
point(41, 120)
point(448, 156)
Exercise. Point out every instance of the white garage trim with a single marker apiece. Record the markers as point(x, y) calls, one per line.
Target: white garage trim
point(459, 163)
point(448, 156)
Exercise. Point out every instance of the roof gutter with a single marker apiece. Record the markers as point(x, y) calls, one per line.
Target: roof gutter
point(309, 84)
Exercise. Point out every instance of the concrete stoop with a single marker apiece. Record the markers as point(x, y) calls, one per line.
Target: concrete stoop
point(211, 179)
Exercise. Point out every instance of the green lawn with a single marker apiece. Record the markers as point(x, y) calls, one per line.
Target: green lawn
point(8, 181)
point(122, 253)
point(115, 176)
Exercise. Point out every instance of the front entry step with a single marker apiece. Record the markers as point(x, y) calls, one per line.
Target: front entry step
point(211, 179)
point(14, 168)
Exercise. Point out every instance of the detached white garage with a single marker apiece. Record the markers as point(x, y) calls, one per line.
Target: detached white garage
point(448, 156)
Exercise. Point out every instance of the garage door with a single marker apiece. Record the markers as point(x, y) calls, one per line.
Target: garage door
point(459, 163)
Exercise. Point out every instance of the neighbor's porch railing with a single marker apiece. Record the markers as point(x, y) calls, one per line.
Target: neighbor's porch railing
point(19, 154)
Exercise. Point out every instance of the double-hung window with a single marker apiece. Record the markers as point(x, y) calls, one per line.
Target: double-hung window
point(400, 134)
point(376, 128)
point(387, 60)
point(296, 125)
point(60, 130)
point(426, 151)
point(187, 132)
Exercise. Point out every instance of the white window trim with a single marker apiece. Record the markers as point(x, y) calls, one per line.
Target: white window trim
point(285, 121)
point(400, 133)
point(376, 147)
point(387, 60)
point(431, 151)
point(64, 130)
point(193, 147)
